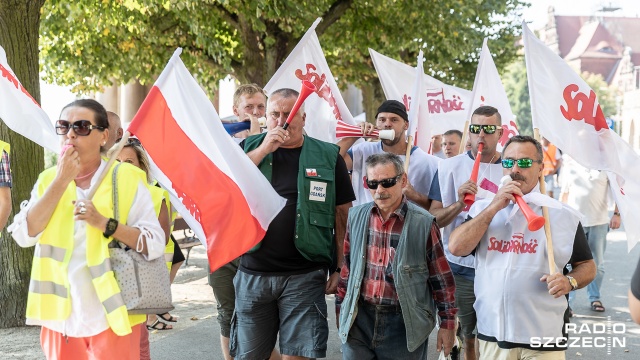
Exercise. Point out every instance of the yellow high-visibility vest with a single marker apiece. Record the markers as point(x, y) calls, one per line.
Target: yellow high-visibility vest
point(49, 295)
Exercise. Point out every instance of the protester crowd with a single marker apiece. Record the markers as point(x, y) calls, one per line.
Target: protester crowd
point(405, 249)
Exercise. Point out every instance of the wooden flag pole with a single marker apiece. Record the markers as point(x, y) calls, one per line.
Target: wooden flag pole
point(465, 135)
point(118, 147)
point(545, 214)
point(408, 154)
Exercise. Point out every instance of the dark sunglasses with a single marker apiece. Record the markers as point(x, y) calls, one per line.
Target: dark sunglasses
point(386, 183)
point(80, 127)
point(523, 163)
point(131, 142)
point(488, 129)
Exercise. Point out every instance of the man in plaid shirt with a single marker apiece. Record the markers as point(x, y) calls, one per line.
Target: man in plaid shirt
point(5, 185)
point(395, 274)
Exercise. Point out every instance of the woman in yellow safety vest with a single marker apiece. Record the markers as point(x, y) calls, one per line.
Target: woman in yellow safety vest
point(73, 293)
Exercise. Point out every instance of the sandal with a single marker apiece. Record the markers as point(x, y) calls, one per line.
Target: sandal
point(597, 306)
point(159, 325)
point(168, 317)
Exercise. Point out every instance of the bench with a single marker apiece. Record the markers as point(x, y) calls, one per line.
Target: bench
point(189, 238)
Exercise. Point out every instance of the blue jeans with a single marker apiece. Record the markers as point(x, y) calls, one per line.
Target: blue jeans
point(378, 332)
point(597, 239)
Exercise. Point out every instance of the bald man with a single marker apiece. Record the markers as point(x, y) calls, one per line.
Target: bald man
point(115, 129)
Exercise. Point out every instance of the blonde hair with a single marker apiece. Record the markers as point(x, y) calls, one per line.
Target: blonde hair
point(141, 154)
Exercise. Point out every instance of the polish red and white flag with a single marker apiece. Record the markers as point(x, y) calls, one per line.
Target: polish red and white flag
point(566, 111)
point(488, 90)
point(21, 112)
point(445, 105)
point(216, 188)
point(326, 106)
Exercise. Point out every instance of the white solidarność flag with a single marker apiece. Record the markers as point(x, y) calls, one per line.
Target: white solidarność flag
point(488, 90)
point(326, 106)
point(446, 106)
point(566, 111)
point(216, 188)
point(21, 112)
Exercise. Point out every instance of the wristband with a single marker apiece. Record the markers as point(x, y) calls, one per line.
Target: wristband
point(112, 225)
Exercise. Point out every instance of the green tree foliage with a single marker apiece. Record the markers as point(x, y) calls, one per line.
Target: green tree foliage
point(88, 43)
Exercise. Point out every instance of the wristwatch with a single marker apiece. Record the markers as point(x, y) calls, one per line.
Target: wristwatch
point(573, 282)
point(112, 225)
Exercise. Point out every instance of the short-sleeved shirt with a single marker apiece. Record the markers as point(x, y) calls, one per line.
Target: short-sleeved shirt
point(278, 254)
point(5, 170)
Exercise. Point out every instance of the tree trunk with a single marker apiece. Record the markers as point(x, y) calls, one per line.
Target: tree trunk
point(19, 32)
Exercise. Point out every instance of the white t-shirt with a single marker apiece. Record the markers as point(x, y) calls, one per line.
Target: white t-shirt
point(422, 168)
point(588, 192)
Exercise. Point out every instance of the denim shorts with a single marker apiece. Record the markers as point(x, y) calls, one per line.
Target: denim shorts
point(465, 298)
point(292, 307)
point(221, 282)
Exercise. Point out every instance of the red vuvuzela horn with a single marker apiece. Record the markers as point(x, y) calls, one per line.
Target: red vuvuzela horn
point(534, 221)
point(307, 89)
point(471, 198)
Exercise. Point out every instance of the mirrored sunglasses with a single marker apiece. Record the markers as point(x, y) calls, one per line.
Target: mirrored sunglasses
point(522, 163)
point(80, 127)
point(386, 183)
point(488, 129)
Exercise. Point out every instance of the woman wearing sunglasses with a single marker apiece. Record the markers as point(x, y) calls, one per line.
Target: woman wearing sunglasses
point(73, 293)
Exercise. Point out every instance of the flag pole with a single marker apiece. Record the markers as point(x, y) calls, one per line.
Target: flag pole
point(545, 214)
point(114, 155)
point(465, 136)
point(408, 154)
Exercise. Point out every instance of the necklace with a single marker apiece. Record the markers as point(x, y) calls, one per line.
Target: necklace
point(487, 167)
point(86, 176)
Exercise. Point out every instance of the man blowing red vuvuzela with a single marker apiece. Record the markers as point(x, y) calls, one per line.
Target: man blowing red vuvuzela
point(517, 301)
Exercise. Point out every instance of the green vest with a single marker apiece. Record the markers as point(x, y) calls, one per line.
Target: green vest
point(410, 273)
point(316, 206)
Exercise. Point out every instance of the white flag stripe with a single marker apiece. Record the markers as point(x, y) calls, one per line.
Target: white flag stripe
point(21, 113)
point(566, 111)
point(324, 108)
point(446, 106)
point(416, 99)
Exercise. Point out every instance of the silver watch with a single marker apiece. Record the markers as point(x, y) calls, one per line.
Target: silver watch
point(573, 282)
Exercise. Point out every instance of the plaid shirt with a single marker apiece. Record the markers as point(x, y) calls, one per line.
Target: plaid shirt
point(5, 171)
point(378, 286)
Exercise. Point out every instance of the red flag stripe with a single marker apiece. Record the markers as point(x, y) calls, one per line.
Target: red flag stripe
point(213, 198)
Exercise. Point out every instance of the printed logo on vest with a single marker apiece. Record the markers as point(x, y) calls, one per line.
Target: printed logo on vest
point(311, 172)
point(515, 245)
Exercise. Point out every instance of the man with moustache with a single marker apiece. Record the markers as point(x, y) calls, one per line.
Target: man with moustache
point(281, 283)
point(391, 115)
point(448, 189)
point(517, 301)
point(395, 274)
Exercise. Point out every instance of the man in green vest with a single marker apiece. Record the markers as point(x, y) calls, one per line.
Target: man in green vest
point(281, 283)
point(5, 184)
point(395, 276)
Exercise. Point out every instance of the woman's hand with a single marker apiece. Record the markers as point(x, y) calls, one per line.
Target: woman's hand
point(68, 166)
point(84, 210)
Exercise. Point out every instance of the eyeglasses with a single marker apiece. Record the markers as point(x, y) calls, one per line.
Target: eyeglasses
point(523, 163)
point(131, 142)
point(80, 127)
point(386, 183)
point(488, 129)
